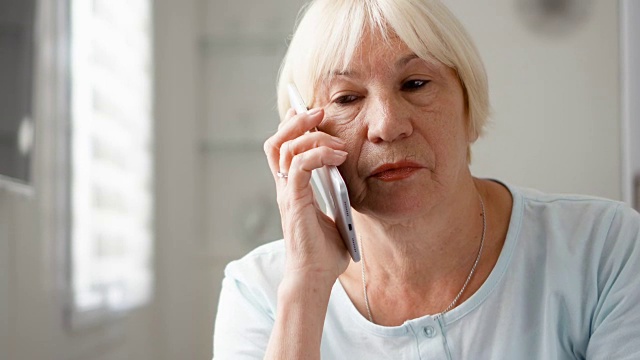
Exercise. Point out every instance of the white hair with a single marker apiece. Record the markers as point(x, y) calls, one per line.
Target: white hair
point(330, 31)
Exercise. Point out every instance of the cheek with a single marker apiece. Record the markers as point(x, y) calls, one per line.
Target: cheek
point(343, 126)
point(453, 142)
point(354, 140)
point(337, 119)
point(352, 135)
point(356, 187)
point(442, 125)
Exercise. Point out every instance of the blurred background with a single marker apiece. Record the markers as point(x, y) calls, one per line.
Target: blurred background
point(131, 163)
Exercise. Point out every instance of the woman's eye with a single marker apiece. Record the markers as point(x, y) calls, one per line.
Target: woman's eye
point(414, 84)
point(345, 99)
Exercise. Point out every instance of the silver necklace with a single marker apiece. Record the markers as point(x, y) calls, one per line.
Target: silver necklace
point(466, 282)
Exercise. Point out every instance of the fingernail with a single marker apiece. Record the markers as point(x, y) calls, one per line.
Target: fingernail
point(313, 112)
point(340, 153)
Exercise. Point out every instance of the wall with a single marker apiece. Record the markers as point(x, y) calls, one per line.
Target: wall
point(630, 77)
point(184, 276)
point(556, 99)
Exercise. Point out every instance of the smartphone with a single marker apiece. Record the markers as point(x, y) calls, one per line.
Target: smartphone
point(330, 185)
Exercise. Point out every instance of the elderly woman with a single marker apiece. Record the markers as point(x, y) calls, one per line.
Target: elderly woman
point(453, 267)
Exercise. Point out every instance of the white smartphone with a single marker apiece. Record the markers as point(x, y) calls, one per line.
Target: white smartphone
point(332, 189)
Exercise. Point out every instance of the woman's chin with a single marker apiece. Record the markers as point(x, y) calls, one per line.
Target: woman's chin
point(395, 209)
point(398, 200)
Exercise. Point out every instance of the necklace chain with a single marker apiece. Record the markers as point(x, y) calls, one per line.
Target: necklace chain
point(466, 282)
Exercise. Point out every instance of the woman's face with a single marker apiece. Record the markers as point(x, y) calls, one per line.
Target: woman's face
point(400, 113)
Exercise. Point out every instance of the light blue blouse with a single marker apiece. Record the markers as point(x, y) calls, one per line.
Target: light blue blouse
point(566, 286)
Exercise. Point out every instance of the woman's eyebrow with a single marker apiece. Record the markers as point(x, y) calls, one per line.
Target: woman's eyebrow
point(350, 73)
point(399, 63)
point(346, 72)
point(405, 60)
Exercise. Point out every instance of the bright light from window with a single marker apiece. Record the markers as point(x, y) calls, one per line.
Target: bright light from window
point(111, 171)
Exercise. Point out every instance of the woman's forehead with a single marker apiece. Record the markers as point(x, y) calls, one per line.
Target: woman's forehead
point(376, 54)
point(376, 49)
point(383, 62)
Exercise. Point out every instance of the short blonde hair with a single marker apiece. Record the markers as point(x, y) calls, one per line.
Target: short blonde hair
point(330, 31)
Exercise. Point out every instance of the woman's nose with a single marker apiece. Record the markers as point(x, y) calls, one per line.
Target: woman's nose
point(388, 120)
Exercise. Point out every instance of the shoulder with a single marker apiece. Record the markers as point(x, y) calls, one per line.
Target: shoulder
point(572, 200)
point(565, 211)
point(252, 281)
point(263, 265)
point(570, 224)
point(247, 303)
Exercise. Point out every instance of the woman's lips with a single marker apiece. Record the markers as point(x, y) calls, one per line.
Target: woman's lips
point(395, 171)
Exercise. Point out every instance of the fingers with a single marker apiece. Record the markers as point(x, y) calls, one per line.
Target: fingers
point(290, 113)
point(303, 163)
point(297, 125)
point(292, 127)
point(306, 142)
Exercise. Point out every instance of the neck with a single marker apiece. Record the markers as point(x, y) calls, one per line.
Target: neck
point(435, 245)
point(419, 267)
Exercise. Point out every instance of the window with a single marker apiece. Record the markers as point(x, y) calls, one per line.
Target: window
point(111, 188)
